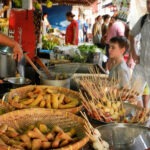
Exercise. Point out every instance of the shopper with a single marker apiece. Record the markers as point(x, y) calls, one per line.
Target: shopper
point(85, 30)
point(116, 28)
point(142, 27)
point(45, 23)
point(119, 70)
point(96, 31)
point(5, 40)
point(80, 25)
point(106, 19)
point(72, 30)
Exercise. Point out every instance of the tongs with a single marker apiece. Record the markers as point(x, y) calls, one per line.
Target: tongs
point(40, 63)
point(32, 64)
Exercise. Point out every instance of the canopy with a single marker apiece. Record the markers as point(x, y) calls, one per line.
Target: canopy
point(73, 2)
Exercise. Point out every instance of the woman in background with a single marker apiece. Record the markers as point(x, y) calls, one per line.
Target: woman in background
point(96, 31)
point(72, 30)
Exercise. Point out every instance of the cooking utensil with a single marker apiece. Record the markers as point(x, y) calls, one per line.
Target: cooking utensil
point(45, 69)
point(126, 136)
point(32, 64)
point(18, 81)
point(60, 83)
point(7, 62)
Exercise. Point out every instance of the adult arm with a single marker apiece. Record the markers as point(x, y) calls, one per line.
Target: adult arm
point(132, 53)
point(5, 40)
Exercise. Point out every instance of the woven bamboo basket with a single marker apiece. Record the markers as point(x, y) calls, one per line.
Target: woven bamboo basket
point(22, 92)
point(5, 107)
point(21, 119)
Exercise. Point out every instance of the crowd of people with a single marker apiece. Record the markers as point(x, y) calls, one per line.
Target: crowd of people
point(115, 37)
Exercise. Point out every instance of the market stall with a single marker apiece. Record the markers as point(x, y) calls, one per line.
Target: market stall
point(65, 101)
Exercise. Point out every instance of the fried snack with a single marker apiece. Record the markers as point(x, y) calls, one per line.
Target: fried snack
point(36, 133)
point(36, 144)
point(46, 145)
point(42, 104)
point(39, 137)
point(64, 143)
point(26, 139)
point(73, 103)
point(43, 128)
point(48, 101)
point(27, 102)
point(50, 136)
point(61, 98)
point(55, 101)
point(37, 101)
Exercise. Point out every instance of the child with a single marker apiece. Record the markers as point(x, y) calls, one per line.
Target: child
point(119, 69)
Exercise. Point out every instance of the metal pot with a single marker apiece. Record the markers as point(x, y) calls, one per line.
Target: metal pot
point(18, 81)
point(44, 80)
point(60, 83)
point(7, 63)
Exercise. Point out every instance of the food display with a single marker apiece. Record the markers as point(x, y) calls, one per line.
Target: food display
point(44, 97)
point(38, 128)
point(84, 51)
point(36, 137)
point(104, 101)
point(95, 136)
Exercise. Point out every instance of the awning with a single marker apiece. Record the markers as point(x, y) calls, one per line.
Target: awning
point(73, 2)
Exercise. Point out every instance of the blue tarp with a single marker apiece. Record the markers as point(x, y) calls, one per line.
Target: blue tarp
point(57, 16)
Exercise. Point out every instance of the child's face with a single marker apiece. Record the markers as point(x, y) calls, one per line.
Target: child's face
point(115, 51)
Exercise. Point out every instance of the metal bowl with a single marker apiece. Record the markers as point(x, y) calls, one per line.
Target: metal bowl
point(126, 136)
point(18, 81)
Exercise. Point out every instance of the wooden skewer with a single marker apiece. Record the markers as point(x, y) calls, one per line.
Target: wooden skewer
point(32, 64)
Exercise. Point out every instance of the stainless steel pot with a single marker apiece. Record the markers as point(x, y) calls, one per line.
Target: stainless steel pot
point(60, 83)
point(44, 80)
point(7, 63)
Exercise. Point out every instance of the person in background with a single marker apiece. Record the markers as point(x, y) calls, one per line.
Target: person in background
point(45, 23)
point(105, 25)
point(96, 31)
point(142, 27)
point(80, 25)
point(72, 30)
point(85, 30)
point(119, 70)
point(115, 28)
point(5, 40)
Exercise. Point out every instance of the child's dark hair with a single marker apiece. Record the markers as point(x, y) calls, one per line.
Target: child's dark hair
point(122, 41)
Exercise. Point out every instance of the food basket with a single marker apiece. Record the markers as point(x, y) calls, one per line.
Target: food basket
point(21, 119)
point(5, 107)
point(21, 92)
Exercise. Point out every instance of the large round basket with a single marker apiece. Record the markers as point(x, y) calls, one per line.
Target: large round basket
point(22, 92)
point(21, 119)
point(5, 107)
